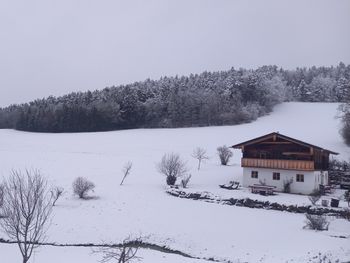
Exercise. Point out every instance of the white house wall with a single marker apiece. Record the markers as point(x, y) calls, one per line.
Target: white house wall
point(311, 179)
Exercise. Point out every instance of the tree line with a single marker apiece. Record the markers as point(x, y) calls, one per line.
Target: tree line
point(210, 98)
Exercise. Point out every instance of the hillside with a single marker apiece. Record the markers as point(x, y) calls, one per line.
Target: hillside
point(141, 207)
point(207, 99)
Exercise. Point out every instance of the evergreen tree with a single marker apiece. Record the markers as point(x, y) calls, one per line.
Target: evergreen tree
point(210, 98)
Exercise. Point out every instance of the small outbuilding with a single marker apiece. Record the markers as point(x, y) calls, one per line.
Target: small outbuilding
point(275, 159)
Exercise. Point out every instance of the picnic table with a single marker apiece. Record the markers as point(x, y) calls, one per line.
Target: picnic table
point(262, 189)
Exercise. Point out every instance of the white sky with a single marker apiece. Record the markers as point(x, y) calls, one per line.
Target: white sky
point(54, 47)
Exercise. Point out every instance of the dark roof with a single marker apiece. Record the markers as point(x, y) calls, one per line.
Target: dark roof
point(278, 135)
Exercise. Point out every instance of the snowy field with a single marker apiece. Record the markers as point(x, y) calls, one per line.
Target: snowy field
point(141, 207)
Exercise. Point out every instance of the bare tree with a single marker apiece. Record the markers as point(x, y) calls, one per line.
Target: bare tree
point(27, 208)
point(56, 193)
point(81, 187)
point(126, 171)
point(172, 167)
point(124, 253)
point(225, 154)
point(200, 154)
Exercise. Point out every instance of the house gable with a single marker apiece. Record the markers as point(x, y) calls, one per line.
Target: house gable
point(278, 151)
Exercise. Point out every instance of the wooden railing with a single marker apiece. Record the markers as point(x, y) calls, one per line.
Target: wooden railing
point(278, 164)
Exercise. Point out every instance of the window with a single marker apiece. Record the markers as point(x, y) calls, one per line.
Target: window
point(254, 174)
point(300, 178)
point(276, 176)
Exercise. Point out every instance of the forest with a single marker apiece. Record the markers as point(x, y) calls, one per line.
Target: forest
point(210, 98)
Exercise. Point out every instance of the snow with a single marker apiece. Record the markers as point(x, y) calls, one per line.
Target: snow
point(142, 208)
point(87, 255)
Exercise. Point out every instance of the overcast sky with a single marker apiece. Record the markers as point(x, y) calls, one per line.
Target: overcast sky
point(55, 47)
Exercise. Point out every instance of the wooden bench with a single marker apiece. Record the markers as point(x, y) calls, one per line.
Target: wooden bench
point(262, 189)
point(231, 186)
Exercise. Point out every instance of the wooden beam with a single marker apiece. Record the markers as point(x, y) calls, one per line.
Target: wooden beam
point(258, 140)
point(276, 143)
point(296, 153)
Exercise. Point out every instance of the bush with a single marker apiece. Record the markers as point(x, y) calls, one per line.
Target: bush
point(2, 193)
point(81, 187)
point(172, 167)
point(315, 196)
point(347, 197)
point(316, 222)
point(262, 182)
point(125, 252)
point(286, 185)
point(324, 258)
point(345, 130)
point(225, 154)
point(347, 213)
point(185, 180)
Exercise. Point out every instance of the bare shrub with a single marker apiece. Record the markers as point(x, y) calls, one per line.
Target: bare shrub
point(315, 196)
point(56, 193)
point(81, 187)
point(126, 171)
point(313, 199)
point(347, 213)
point(2, 193)
point(124, 253)
point(172, 167)
point(286, 185)
point(262, 182)
point(225, 154)
point(346, 197)
point(316, 222)
point(200, 154)
point(185, 180)
point(326, 257)
point(27, 208)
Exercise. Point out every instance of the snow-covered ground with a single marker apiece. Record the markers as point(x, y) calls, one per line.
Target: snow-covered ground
point(86, 255)
point(141, 208)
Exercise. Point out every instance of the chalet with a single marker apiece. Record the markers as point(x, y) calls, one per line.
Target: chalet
point(274, 159)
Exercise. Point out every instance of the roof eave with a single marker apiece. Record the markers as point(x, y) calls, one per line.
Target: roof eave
point(241, 145)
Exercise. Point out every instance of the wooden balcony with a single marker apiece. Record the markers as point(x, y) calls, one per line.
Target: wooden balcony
point(278, 164)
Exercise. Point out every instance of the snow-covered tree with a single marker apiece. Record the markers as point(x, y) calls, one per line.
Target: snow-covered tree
point(210, 98)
